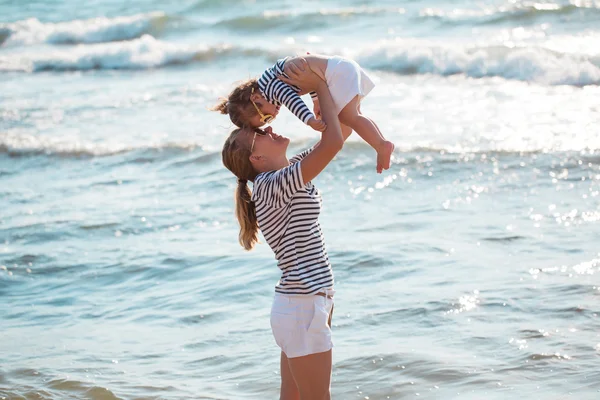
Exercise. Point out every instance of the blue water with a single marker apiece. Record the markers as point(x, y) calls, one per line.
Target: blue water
point(469, 270)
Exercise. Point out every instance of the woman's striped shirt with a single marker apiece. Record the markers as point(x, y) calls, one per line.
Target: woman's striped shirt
point(288, 211)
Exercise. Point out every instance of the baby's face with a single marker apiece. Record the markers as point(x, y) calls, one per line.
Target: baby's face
point(265, 108)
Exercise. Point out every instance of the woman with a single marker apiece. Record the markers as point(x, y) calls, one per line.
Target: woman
point(285, 205)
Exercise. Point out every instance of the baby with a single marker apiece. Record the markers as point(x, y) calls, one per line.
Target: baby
point(257, 102)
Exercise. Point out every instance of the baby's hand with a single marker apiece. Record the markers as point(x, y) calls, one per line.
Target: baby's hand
point(317, 124)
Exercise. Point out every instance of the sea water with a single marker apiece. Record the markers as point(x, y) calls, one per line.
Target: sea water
point(469, 270)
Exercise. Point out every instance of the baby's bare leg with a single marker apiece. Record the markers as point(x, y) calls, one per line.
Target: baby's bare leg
point(346, 131)
point(369, 132)
point(385, 155)
point(378, 130)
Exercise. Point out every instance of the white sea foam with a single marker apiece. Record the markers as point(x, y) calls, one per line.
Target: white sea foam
point(512, 11)
point(534, 64)
point(141, 53)
point(101, 29)
point(28, 144)
point(531, 63)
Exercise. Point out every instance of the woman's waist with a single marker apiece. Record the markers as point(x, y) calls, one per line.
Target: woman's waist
point(326, 291)
point(307, 280)
point(297, 267)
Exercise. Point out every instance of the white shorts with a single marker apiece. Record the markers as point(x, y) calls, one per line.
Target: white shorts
point(300, 323)
point(346, 79)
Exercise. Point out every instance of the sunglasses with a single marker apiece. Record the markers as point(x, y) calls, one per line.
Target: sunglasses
point(258, 132)
point(265, 119)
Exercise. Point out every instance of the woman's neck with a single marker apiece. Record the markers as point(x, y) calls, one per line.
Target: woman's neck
point(274, 164)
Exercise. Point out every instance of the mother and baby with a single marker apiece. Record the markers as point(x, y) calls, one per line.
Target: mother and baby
point(285, 205)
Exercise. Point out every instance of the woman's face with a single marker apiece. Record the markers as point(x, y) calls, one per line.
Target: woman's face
point(265, 107)
point(270, 145)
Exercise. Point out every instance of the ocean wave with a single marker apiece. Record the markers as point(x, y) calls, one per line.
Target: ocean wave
point(23, 145)
point(296, 20)
point(301, 20)
point(403, 56)
point(589, 153)
point(532, 64)
point(516, 12)
point(204, 5)
point(142, 53)
point(96, 30)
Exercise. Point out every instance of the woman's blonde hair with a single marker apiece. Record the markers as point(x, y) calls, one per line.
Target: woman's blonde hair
point(237, 105)
point(236, 158)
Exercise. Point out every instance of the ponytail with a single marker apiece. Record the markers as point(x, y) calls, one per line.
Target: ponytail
point(236, 158)
point(246, 215)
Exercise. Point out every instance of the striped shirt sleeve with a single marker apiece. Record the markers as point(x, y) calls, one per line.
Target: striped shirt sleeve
point(287, 96)
point(277, 188)
point(300, 156)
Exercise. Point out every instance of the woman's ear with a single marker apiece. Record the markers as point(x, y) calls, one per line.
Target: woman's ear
point(254, 159)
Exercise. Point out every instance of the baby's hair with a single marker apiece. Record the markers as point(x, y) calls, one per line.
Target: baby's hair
point(237, 105)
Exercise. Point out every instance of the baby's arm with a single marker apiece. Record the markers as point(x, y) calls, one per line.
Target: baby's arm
point(287, 96)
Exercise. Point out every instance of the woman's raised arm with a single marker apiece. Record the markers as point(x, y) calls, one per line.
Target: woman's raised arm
point(332, 140)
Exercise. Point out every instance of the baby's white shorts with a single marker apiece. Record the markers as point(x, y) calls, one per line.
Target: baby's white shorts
point(346, 79)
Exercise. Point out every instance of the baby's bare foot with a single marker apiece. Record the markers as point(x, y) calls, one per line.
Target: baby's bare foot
point(384, 156)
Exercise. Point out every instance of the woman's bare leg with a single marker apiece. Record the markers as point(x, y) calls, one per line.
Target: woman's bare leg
point(369, 132)
point(308, 377)
point(312, 374)
point(289, 389)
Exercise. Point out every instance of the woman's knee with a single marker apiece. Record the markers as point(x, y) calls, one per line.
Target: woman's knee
point(315, 394)
point(289, 390)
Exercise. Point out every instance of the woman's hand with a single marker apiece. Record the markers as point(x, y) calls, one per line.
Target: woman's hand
point(317, 109)
point(294, 66)
point(300, 75)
